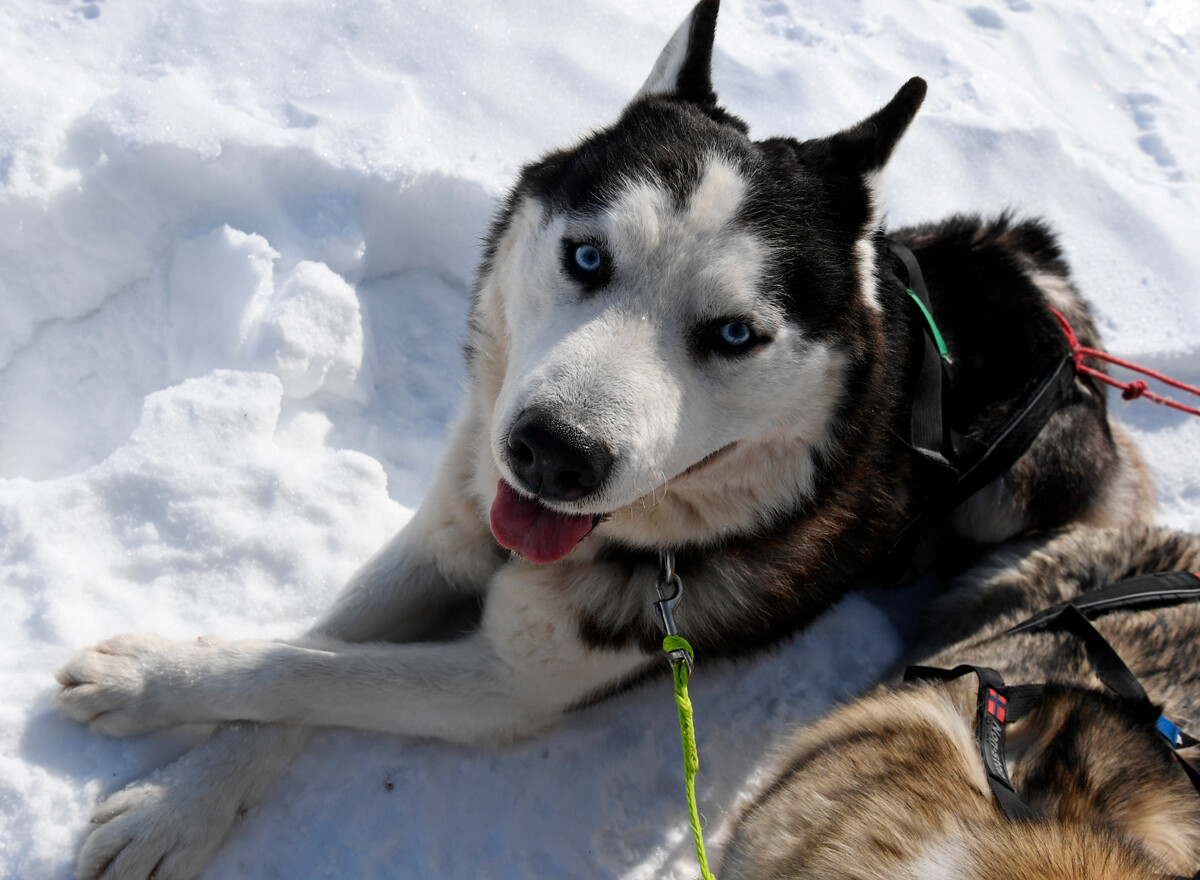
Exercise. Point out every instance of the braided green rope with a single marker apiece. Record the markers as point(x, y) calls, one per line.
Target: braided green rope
point(691, 758)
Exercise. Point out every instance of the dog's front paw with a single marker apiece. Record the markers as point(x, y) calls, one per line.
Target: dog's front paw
point(133, 684)
point(165, 828)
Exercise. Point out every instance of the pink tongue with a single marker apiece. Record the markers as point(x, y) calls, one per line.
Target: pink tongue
point(538, 533)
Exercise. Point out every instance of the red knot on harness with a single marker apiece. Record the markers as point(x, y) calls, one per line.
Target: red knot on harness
point(1129, 390)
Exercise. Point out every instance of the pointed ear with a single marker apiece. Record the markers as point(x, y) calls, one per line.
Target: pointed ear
point(684, 69)
point(866, 147)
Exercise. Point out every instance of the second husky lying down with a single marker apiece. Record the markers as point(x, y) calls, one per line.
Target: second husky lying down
point(894, 785)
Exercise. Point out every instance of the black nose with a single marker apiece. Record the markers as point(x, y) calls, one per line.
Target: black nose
point(554, 460)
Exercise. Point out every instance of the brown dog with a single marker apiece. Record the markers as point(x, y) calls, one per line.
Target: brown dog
point(894, 785)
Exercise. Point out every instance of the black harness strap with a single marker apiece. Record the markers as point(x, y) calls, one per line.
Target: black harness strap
point(993, 712)
point(929, 429)
point(953, 466)
point(1142, 592)
point(1137, 593)
point(929, 434)
point(1019, 432)
point(1000, 704)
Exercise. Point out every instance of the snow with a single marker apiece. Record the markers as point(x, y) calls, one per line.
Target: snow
point(236, 248)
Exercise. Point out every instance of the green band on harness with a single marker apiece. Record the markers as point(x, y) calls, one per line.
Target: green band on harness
point(691, 758)
point(933, 327)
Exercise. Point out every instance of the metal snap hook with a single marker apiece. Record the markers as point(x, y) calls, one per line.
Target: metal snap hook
point(669, 580)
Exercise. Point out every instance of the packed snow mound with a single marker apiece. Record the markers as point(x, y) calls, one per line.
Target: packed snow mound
point(225, 306)
point(237, 244)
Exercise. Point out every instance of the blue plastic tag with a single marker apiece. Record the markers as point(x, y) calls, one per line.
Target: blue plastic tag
point(1169, 730)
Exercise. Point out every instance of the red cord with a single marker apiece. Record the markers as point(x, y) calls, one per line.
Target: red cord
point(1129, 390)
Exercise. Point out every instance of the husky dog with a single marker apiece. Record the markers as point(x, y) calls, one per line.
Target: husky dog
point(894, 785)
point(682, 340)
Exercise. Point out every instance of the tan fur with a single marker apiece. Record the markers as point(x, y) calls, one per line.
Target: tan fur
point(1128, 495)
point(892, 785)
point(839, 785)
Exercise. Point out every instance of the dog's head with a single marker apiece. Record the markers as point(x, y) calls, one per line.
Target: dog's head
point(667, 314)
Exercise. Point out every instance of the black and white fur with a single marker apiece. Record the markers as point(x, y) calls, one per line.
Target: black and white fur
point(729, 384)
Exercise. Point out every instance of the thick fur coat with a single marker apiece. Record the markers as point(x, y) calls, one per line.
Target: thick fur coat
point(893, 785)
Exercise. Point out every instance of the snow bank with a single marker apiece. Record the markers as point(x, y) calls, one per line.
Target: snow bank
point(236, 248)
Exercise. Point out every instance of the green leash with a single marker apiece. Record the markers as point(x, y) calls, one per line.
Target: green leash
point(682, 671)
point(681, 655)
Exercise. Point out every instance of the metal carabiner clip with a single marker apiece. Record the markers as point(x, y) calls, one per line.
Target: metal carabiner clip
point(669, 579)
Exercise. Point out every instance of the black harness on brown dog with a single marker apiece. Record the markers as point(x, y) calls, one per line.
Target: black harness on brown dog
point(1000, 704)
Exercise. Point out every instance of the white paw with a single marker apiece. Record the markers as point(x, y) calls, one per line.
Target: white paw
point(135, 683)
point(167, 827)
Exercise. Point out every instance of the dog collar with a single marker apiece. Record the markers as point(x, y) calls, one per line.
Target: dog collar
point(1000, 704)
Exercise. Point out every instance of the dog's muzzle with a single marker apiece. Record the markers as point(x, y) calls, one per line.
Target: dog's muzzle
point(550, 461)
point(553, 460)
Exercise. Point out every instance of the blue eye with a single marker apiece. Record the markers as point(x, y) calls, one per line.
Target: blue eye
point(735, 334)
point(729, 338)
point(587, 263)
point(587, 258)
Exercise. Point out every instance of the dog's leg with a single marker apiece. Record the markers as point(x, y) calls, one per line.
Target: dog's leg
point(520, 671)
point(517, 673)
point(169, 825)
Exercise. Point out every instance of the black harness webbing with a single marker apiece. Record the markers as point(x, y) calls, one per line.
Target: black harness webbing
point(1001, 704)
point(1143, 592)
point(954, 466)
point(997, 707)
point(929, 429)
